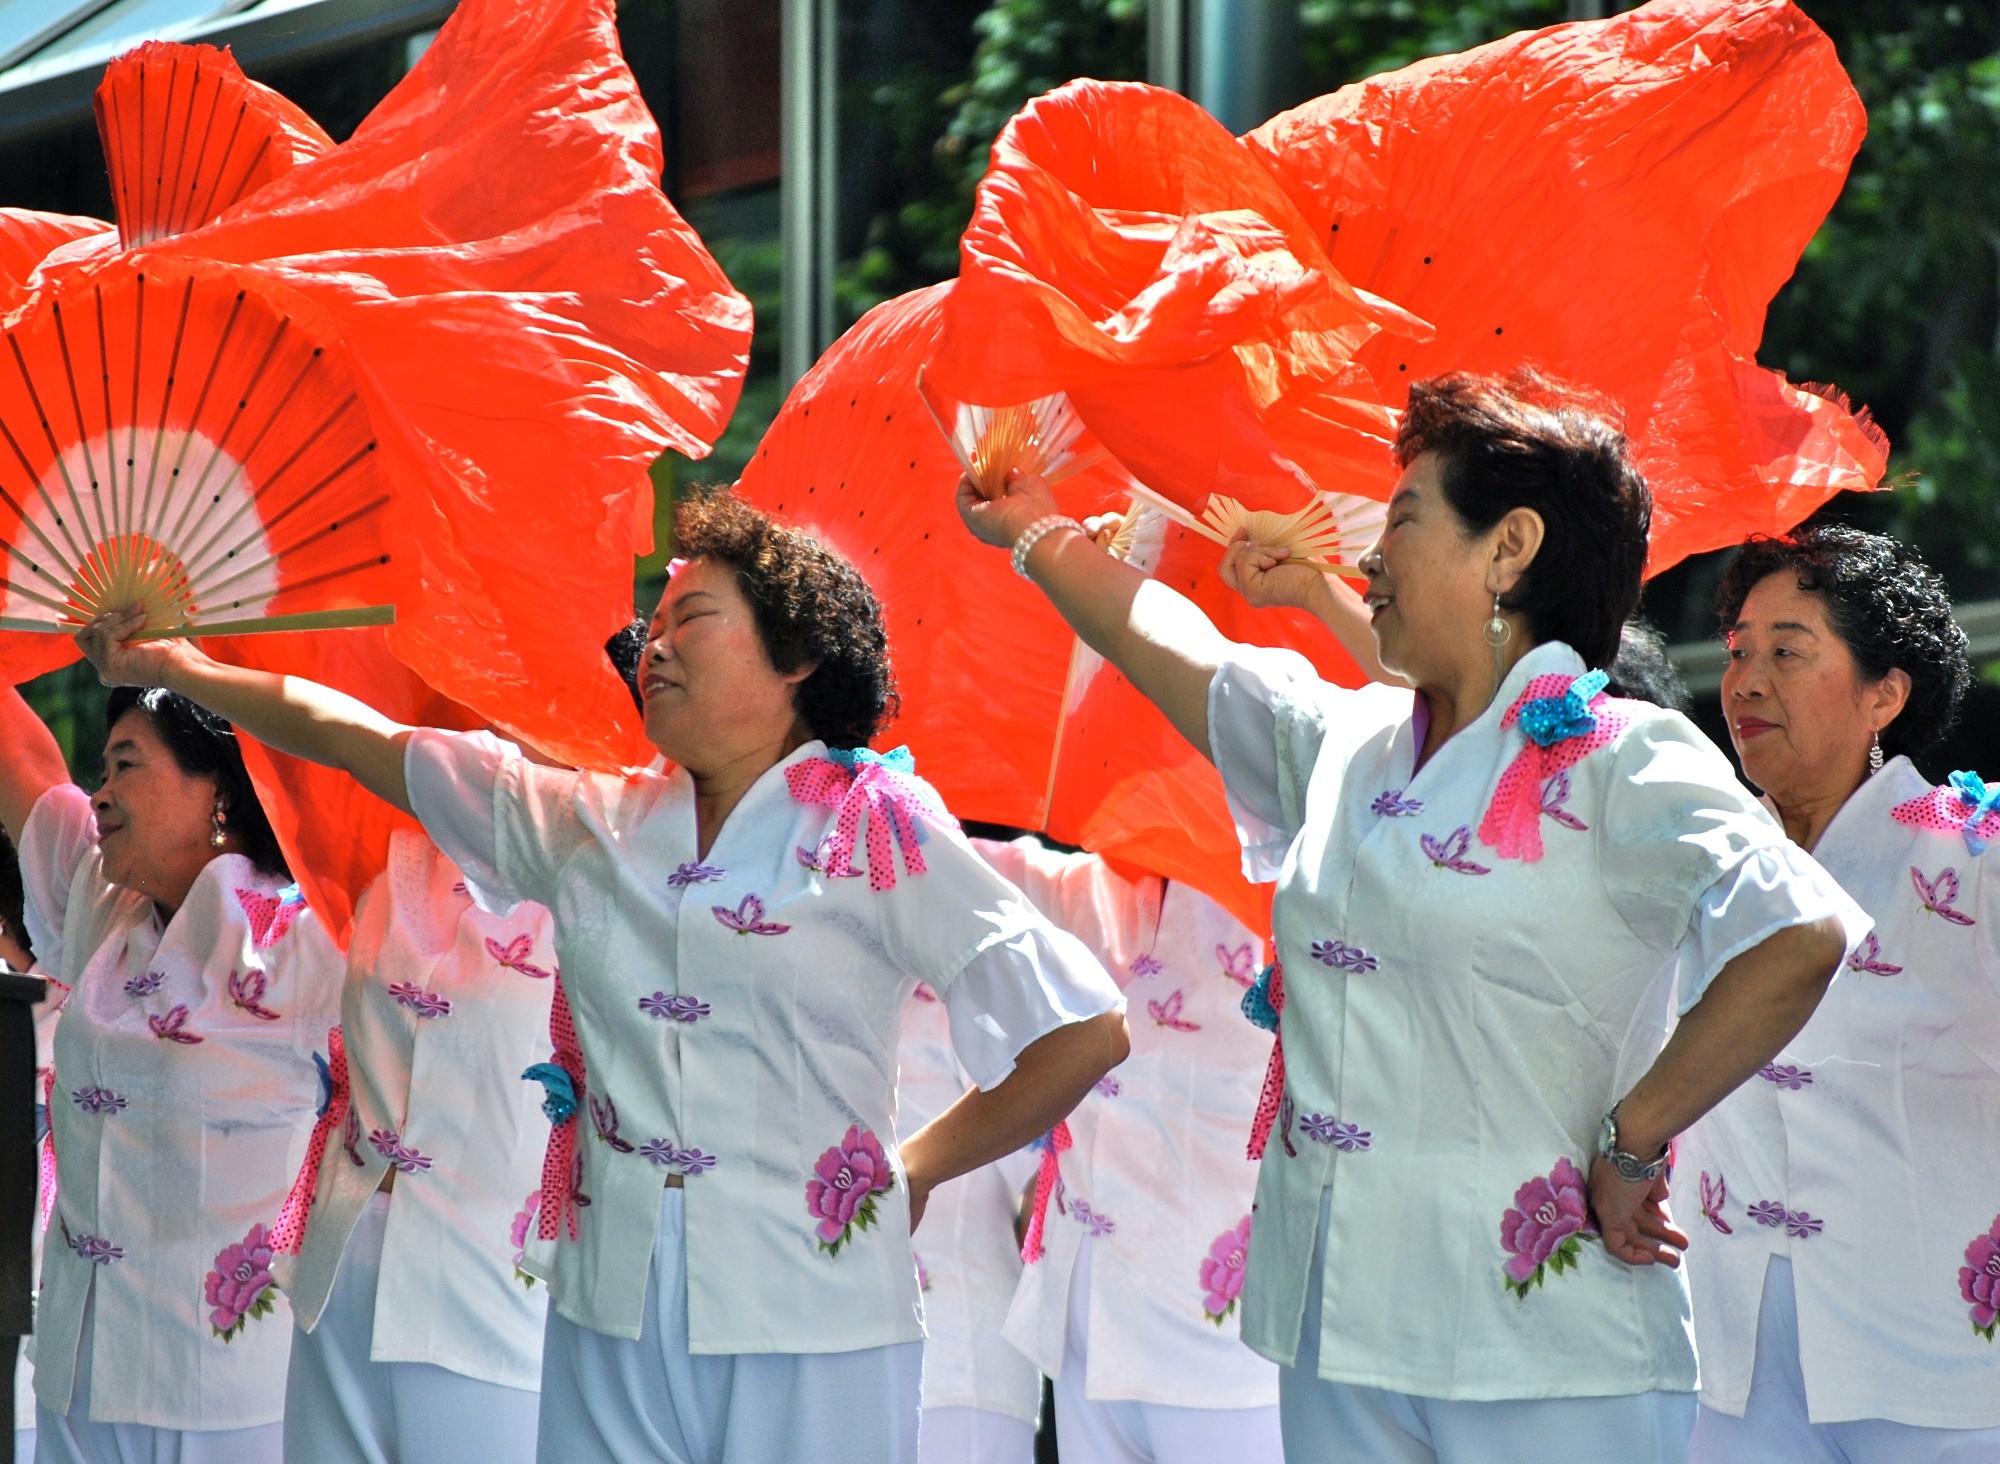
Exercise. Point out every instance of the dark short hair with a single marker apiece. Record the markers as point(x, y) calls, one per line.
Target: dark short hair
point(625, 650)
point(811, 606)
point(1526, 440)
point(1642, 670)
point(1889, 608)
point(204, 746)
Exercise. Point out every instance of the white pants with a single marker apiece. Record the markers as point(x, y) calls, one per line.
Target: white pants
point(1774, 1428)
point(606, 1400)
point(1098, 1431)
point(71, 1438)
point(1334, 1423)
point(343, 1408)
point(975, 1436)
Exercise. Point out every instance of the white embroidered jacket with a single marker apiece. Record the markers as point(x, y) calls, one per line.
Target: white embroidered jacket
point(737, 1016)
point(445, 1006)
point(185, 1092)
point(1868, 1152)
point(1457, 1023)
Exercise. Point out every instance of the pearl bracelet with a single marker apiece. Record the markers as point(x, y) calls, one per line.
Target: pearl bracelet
point(1035, 533)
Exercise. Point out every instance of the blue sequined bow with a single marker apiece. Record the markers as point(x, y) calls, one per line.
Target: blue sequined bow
point(1980, 801)
point(1548, 720)
point(1257, 1001)
point(559, 1099)
point(854, 759)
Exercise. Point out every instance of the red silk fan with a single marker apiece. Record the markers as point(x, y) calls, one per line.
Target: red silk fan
point(1012, 718)
point(1615, 201)
point(187, 438)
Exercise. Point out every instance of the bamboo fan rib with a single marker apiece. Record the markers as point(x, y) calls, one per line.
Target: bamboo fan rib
point(1042, 436)
point(1314, 533)
point(172, 437)
point(186, 135)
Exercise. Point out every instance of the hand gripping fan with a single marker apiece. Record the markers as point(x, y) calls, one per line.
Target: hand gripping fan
point(1044, 436)
point(1331, 532)
point(189, 438)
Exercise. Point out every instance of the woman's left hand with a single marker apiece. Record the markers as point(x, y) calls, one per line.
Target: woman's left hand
point(1002, 519)
point(1632, 1217)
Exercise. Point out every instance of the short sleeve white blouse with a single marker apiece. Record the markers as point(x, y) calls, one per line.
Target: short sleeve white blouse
point(737, 1014)
point(1457, 1023)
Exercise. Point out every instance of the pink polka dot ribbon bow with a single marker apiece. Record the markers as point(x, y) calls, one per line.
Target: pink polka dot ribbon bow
point(1965, 806)
point(289, 1233)
point(1565, 718)
point(562, 1166)
point(1045, 1187)
point(856, 782)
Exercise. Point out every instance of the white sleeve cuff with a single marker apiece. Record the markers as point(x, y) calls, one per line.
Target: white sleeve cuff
point(1019, 990)
point(1770, 889)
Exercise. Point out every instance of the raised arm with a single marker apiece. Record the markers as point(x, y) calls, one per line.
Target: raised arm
point(1164, 644)
point(30, 762)
point(286, 712)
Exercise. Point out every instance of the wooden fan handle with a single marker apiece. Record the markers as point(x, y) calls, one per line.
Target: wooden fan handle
point(271, 624)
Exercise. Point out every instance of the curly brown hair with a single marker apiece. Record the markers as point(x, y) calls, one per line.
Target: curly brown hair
point(812, 607)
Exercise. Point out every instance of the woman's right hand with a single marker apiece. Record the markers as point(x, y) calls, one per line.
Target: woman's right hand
point(1262, 575)
point(121, 661)
point(1002, 519)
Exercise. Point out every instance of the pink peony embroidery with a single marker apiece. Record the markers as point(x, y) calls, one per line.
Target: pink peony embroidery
point(1541, 1232)
point(1222, 1271)
point(846, 1179)
point(1168, 1013)
point(271, 916)
point(246, 991)
point(240, 1288)
point(1979, 1280)
point(517, 1234)
point(514, 956)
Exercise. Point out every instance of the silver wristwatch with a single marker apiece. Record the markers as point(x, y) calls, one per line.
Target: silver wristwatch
point(1629, 1166)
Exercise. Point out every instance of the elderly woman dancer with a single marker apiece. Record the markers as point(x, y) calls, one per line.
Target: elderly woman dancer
point(732, 1273)
point(1846, 1262)
point(1478, 885)
point(184, 1084)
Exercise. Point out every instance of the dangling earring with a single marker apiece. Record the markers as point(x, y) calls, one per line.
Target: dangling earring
point(1874, 752)
point(1498, 631)
point(218, 832)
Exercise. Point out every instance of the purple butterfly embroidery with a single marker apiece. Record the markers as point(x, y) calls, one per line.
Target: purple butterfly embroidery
point(1714, 1195)
point(1868, 957)
point(1392, 804)
point(422, 1002)
point(1555, 797)
point(97, 1100)
point(1940, 895)
point(173, 1026)
point(145, 985)
point(1768, 1212)
point(748, 918)
point(1786, 1075)
point(1148, 965)
point(693, 873)
point(819, 856)
point(246, 990)
point(1341, 955)
point(1168, 1013)
point(1106, 1086)
point(1098, 1225)
point(604, 1118)
point(673, 1008)
point(514, 956)
point(1450, 854)
point(1239, 965)
point(402, 1158)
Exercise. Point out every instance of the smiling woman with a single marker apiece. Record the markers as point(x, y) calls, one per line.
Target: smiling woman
point(184, 1080)
point(1427, 988)
point(726, 1012)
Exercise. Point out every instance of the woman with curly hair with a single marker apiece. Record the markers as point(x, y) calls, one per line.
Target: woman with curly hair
point(1460, 1249)
point(725, 1213)
point(1846, 1266)
point(183, 1088)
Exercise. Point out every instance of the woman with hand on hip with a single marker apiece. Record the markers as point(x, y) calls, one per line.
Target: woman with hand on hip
point(1846, 1262)
point(184, 1083)
point(732, 1273)
point(1479, 887)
